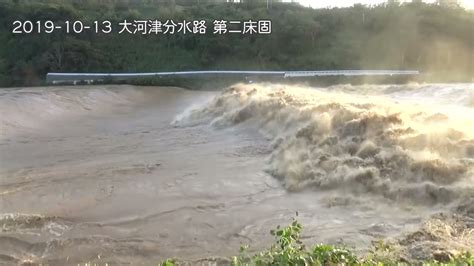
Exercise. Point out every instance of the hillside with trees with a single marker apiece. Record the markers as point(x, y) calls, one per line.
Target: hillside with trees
point(437, 39)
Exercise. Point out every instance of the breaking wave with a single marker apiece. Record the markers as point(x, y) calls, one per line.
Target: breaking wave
point(410, 142)
point(446, 94)
point(15, 222)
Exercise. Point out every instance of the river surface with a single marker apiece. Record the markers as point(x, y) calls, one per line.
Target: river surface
point(127, 174)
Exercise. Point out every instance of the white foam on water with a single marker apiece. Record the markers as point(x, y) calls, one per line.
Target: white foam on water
point(403, 142)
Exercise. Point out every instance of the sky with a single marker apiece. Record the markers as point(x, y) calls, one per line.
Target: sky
point(342, 3)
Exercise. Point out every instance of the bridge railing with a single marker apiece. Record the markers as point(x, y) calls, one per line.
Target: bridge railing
point(75, 77)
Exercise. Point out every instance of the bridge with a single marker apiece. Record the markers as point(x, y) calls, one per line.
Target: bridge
point(55, 78)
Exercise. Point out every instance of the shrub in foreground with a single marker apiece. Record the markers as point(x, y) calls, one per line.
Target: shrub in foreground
point(289, 250)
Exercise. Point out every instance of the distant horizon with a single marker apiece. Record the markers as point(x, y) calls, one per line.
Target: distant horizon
point(468, 4)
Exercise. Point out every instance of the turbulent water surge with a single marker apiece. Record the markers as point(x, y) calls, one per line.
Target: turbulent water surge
point(133, 174)
point(417, 148)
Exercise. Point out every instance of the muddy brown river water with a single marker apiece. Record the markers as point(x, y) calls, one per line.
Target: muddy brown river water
point(126, 174)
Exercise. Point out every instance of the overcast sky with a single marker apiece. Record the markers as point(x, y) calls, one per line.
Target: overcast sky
point(341, 3)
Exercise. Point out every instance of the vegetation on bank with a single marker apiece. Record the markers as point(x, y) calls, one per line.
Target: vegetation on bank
point(433, 38)
point(289, 250)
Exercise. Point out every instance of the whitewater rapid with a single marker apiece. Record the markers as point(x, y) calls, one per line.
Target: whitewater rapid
point(126, 174)
point(360, 139)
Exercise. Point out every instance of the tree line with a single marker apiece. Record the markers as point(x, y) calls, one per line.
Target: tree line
point(436, 39)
